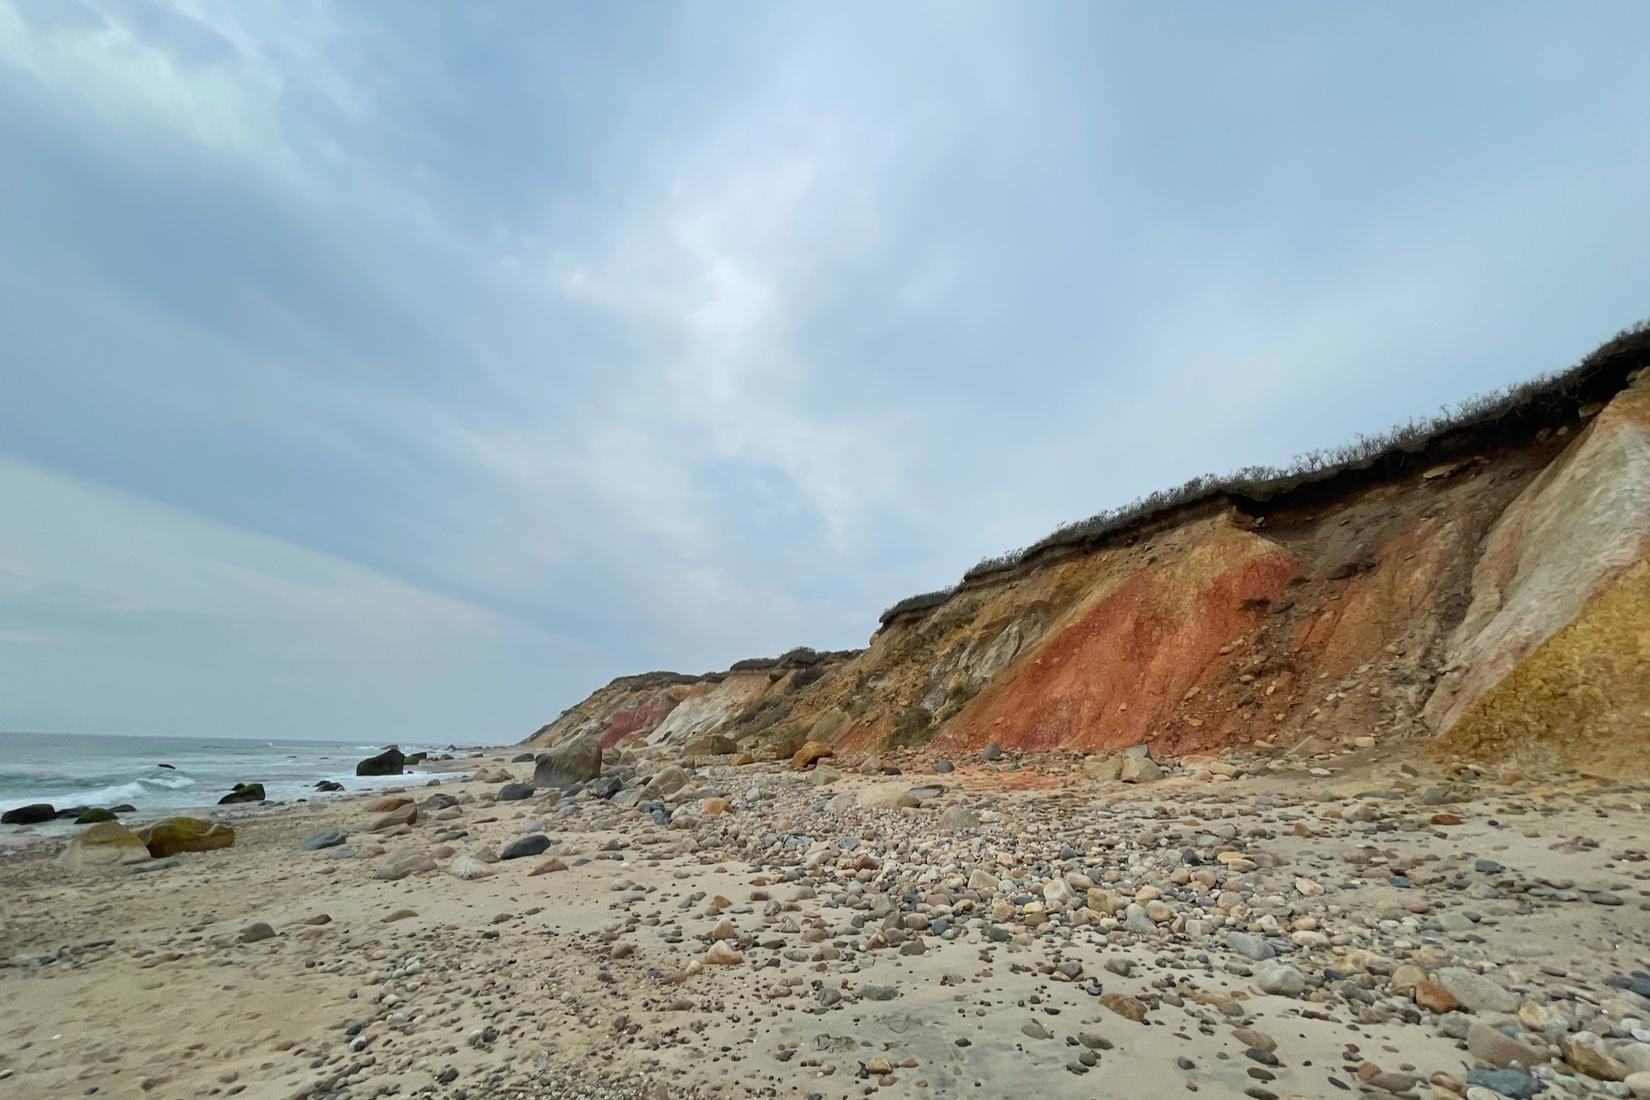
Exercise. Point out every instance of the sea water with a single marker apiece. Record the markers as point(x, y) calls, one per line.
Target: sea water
point(174, 773)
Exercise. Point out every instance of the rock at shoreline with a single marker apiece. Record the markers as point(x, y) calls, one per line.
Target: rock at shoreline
point(105, 844)
point(329, 785)
point(569, 765)
point(32, 814)
point(184, 834)
point(93, 815)
point(388, 762)
point(243, 792)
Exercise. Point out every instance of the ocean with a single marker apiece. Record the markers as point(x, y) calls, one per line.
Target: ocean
point(71, 769)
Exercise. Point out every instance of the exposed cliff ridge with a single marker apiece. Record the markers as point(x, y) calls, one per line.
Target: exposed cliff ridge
point(1412, 585)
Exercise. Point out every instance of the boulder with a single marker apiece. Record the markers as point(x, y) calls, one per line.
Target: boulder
point(492, 775)
point(1139, 769)
point(406, 815)
point(105, 844)
point(184, 834)
point(329, 785)
point(568, 765)
point(668, 781)
point(387, 803)
point(1476, 992)
point(711, 744)
point(468, 867)
point(992, 751)
point(811, 753)
point(1491, 1045)
point(326, 838)
point(530, 845)
point(514, 792)
point(1103, 768)
point(388, 762)
point(522, 758)
point(413, 759)
point(32, 814)
point(243, 792)
point(93, 815)
point(401, 864)
point(258, 930)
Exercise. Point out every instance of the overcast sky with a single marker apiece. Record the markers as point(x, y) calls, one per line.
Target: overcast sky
point(410, 369)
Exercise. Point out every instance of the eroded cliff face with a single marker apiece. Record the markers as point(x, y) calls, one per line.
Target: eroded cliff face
point(1495, 594)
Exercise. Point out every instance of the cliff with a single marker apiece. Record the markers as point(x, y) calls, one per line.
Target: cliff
point(1481, 582)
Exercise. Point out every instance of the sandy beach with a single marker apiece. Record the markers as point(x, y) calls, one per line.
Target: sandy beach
point(1238, 928)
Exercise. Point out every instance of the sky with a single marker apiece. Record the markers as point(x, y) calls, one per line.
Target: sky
point(411, 370)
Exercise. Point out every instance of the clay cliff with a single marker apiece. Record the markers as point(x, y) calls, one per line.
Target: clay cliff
point(1481, 586)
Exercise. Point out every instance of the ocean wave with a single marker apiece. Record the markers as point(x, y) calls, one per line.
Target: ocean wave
point(136, 792)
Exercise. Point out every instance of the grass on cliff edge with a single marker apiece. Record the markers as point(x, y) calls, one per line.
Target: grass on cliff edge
point(1534, 402)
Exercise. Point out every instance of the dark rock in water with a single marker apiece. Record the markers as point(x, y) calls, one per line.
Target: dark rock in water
point(992, 751)
point(326, 838)
point(28, 815)
point(93, 815)
point(123, 808)
point(243, 792)
point(168, 767)
point(69, 813)
point(530, 845)
point(569, 765)
point(329, 785)
point(413, 758)
point(388, 762)
point(514, 792)
point(522, 758)
point(1512, 1083)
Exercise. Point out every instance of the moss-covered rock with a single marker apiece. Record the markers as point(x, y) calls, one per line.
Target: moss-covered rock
point(185, 834)
point(94, 814)
point(243, 792)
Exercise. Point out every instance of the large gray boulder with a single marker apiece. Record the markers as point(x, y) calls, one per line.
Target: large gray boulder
point(569, 765)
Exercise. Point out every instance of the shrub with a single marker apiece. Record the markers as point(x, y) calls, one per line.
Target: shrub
point(1517, 407)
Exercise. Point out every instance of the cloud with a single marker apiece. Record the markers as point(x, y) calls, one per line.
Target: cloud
point(508, 348)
